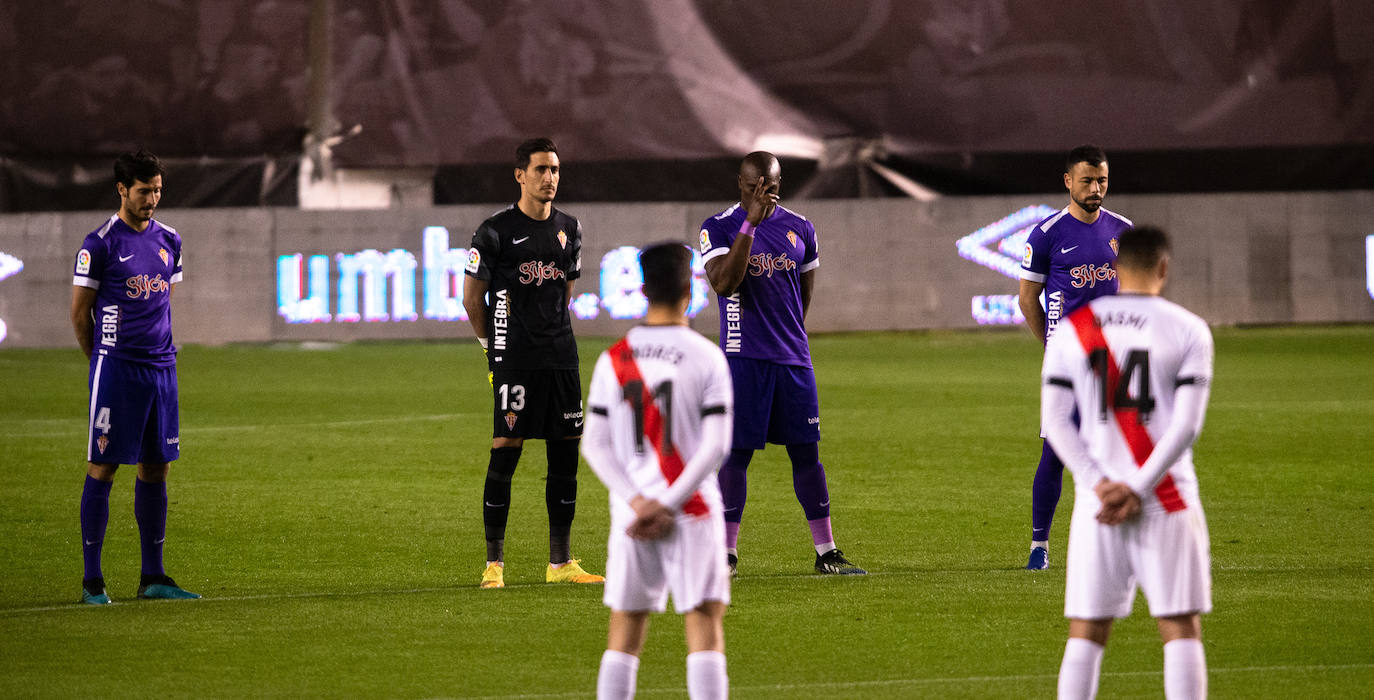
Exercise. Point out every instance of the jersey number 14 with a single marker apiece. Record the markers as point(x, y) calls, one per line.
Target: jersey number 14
point(1136, 371)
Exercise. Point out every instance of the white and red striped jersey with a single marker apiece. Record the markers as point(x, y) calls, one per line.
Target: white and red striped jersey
point(1140, 370)
point(660, 413)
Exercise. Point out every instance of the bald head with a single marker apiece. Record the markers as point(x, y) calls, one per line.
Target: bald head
point(756, 165)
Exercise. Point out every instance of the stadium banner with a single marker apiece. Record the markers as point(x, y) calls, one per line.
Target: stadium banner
point(259, 275)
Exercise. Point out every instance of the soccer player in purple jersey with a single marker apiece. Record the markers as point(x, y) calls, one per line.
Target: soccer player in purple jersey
point(1069, 258)
point(761, 259)
point(121, 310)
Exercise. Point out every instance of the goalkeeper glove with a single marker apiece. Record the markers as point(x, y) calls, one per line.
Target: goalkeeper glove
point(486, 357)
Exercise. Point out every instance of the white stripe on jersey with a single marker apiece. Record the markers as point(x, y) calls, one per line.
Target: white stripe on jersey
point(106, 228)
point(1118, 216)
point(1053, 220)
point(727, 213)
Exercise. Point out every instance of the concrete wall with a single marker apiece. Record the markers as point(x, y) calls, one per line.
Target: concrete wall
point(886, 264)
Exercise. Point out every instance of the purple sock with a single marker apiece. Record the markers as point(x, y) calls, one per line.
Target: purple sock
point(808, 480)
point(820, 532)
point(734, 484)
point(150, 510)
point(1049, 480)
point(95, 516)
point(731, 535)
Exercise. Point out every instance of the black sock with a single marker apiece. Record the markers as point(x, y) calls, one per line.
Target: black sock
point(560, 496)
point(496, 499)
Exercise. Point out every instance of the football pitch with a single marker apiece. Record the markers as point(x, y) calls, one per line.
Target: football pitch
point(327, 506)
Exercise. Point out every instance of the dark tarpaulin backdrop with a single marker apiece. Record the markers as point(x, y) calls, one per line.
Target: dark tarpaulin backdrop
point(978, 96)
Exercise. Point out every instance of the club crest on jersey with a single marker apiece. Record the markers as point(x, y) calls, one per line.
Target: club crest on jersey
point(562, 240)
point(162, 253)
point(1114, 246)
point(101, 443)
point(83, 262)
point(474, 261)
point(510, 420)
point(792, 238)
point(705, 241)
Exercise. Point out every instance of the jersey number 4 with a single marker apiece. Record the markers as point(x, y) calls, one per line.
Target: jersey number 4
point(663, 396)
point(1136, 371)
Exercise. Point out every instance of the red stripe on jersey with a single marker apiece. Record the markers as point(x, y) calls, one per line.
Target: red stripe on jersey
point(1091, 338)
point(669, 458)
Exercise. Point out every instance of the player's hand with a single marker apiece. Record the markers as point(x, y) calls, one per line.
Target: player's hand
point(653, 520)
point(1119, 502)
point(762, 201)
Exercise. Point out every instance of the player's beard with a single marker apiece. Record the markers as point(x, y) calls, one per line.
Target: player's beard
point(1089, 205)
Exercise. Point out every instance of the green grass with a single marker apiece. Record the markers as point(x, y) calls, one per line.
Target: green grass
point(326, 504)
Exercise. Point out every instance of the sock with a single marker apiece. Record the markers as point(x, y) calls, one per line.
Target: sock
point(1045, 544)
point(820, 535)
point(95, 517)
point(706, 679)
point(1045, 489)
point(808, 480)
point(1079, 671)
point(150, 510)
point(496, 499)
point(734, 487)
point(560, 496)
point(616, 681)
point(1185, 670)
point(732, 537)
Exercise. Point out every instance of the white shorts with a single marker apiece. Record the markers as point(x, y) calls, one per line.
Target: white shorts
point(1167, 554)
point(689, 562)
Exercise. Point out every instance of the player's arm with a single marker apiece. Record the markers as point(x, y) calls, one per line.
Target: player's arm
point(808, 282)
point(1028, 297)
point(711, 452)
point(600, 455)
point(475, 303)
point(567, 300)
point(1056, 418)
point(83, 320)
point(726, 272)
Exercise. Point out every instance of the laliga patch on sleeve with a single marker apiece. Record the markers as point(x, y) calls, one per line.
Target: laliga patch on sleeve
point(474, 261)
point(1030, 253)
point(83, 262)
point(705, 241)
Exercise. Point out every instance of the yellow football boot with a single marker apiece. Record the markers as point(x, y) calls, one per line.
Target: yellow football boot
point(571, 572)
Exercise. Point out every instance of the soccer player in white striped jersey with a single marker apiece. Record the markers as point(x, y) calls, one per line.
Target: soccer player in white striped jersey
point(1138, 368)
point(661, 405)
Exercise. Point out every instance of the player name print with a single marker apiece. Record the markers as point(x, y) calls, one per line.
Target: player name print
point(371, 286)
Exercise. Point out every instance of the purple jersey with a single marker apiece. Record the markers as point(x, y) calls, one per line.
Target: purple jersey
point(763, 319)
point(1073, 260)
point(132, 273)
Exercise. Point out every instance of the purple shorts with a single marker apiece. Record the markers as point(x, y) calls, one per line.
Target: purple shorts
point(774, 403)
point(133, 413)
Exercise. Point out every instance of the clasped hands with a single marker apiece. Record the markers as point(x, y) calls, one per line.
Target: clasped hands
point(1119, 502)
point(653, 520)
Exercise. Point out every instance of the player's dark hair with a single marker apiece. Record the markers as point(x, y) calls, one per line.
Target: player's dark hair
point(1087, 153)
point(1141, 248)
point(667, 272)
point(531, 147)
point(142, 166)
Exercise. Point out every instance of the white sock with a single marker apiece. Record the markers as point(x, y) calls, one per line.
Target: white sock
point(1185, 670)
point(1041, 543)
point(616, 681)
point(1078, 673)
point(824, 547)
point(706, 679)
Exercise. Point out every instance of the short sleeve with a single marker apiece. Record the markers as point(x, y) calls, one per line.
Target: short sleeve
point(575, 269)
point(1035, 261)
point(716, 237)
point(89, 266)
point(486, 246)
point(176, 269)
point(811, 257)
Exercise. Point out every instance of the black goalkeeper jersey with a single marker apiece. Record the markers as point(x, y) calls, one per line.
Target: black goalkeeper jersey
point(527, 265)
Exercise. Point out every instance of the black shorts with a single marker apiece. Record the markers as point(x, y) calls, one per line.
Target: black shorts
point(541, 404)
